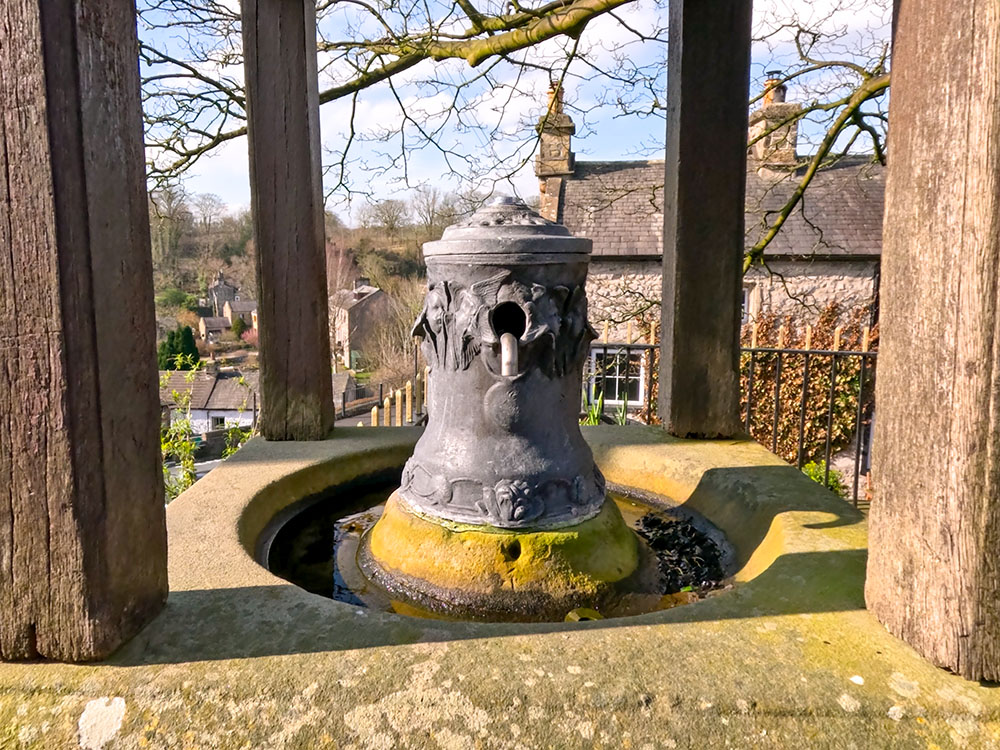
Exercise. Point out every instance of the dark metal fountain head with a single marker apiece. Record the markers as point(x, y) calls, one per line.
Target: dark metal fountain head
point(505, 333)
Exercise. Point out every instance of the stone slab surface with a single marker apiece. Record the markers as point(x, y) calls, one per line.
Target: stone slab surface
point(241, 659)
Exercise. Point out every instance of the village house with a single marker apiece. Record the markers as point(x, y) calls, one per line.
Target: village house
point(354, 317)
point(245, 310)
point(217, 400)
point(212, 329)
point(827, 251)
point(220, 292)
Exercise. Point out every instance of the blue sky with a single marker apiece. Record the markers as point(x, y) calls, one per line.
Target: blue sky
point(498, 126)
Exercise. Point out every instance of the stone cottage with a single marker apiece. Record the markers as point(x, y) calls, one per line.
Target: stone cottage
point(354, 317)
point(220, 292)
point(827, 251)
point(212, 329)
point(245, 310)
point(217, 401)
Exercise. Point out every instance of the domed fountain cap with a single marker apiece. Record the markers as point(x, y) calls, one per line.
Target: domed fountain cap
point(508, 231)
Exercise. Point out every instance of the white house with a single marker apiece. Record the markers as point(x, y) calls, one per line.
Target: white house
point(217, 400)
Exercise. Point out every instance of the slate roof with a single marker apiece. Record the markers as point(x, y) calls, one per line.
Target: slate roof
point(619, 206)
point(214, 324)
point(345, 299)
point(221, 392)
point(242, 306)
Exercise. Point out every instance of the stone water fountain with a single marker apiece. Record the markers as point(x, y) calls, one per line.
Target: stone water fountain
point(501, 511)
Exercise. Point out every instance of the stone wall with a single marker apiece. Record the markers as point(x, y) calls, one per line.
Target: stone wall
point(802, 289)
point(619, 289)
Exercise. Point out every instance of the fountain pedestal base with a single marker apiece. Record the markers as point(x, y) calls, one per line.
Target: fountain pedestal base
point(459, 570)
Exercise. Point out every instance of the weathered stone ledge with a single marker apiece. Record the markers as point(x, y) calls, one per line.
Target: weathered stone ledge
point(239, 658)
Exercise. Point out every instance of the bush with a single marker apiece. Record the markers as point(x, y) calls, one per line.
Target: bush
point(171, 297)
point(816, 470)
point(179, 351)
point(174, 297)
point(239, 327)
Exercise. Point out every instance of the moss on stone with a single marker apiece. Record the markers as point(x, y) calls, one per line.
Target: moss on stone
point(534, 573)
point(600, 551)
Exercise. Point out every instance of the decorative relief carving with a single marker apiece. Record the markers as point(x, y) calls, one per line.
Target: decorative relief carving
point(455, 323)
point(509, 217)
point(507, 504)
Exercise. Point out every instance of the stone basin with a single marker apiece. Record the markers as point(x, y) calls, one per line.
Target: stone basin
point(241, 658)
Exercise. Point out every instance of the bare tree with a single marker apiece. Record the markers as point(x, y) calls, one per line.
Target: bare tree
point(480, 69)
point(210, 209)
point(169, 218)
point(389, 215)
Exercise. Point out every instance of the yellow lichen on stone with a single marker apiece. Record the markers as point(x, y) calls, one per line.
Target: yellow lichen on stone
point(582, 558)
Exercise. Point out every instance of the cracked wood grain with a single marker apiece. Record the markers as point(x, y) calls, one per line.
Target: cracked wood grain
point(934, 572)
point(82, 532)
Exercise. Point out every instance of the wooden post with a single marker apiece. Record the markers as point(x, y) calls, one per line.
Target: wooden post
point(82, 531)
point(387, 407)
point(399, 408)
point(375, 416)
point(279, 41)
point(933, 577)
point(707, 93)
point(838, 333)
point(809, 337)
point(409, 402)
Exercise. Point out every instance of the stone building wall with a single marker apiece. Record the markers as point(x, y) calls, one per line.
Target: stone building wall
point(802, 289)
point(619, 289)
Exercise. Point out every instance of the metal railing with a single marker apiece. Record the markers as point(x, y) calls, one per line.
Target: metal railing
point(807, 405)
point(811, 406)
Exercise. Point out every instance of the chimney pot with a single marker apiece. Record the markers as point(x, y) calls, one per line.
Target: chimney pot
point(774, 88)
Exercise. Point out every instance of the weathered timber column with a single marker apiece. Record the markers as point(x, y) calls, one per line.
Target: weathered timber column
point(708, 80)
point(933, 566)
point(279, 40)
point(82, 534)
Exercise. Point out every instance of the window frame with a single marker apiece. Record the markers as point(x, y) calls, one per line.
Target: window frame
point(616, 351)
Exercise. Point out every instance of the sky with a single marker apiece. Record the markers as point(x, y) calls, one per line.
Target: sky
point(497, 125)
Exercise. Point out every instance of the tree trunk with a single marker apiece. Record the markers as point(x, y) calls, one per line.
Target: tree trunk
point(934, 569)
point(82, 532)
point(708, 80)
point(279, 39)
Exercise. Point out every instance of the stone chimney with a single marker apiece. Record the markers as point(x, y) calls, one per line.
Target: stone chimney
point(555, 157)
point(776, 148)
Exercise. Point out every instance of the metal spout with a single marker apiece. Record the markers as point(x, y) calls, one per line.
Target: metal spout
point(508, 355)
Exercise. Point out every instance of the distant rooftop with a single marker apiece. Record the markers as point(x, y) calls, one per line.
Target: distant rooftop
point(345, 299)
point(619, 205)
point(243, 305)
point(219, 392)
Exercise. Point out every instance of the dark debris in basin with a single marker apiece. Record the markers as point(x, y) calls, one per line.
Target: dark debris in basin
point(688, 560)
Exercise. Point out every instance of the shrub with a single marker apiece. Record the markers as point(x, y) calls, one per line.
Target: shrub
point(171, 297)
point(239, 327)
point(178, 351)
point(816, 470)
